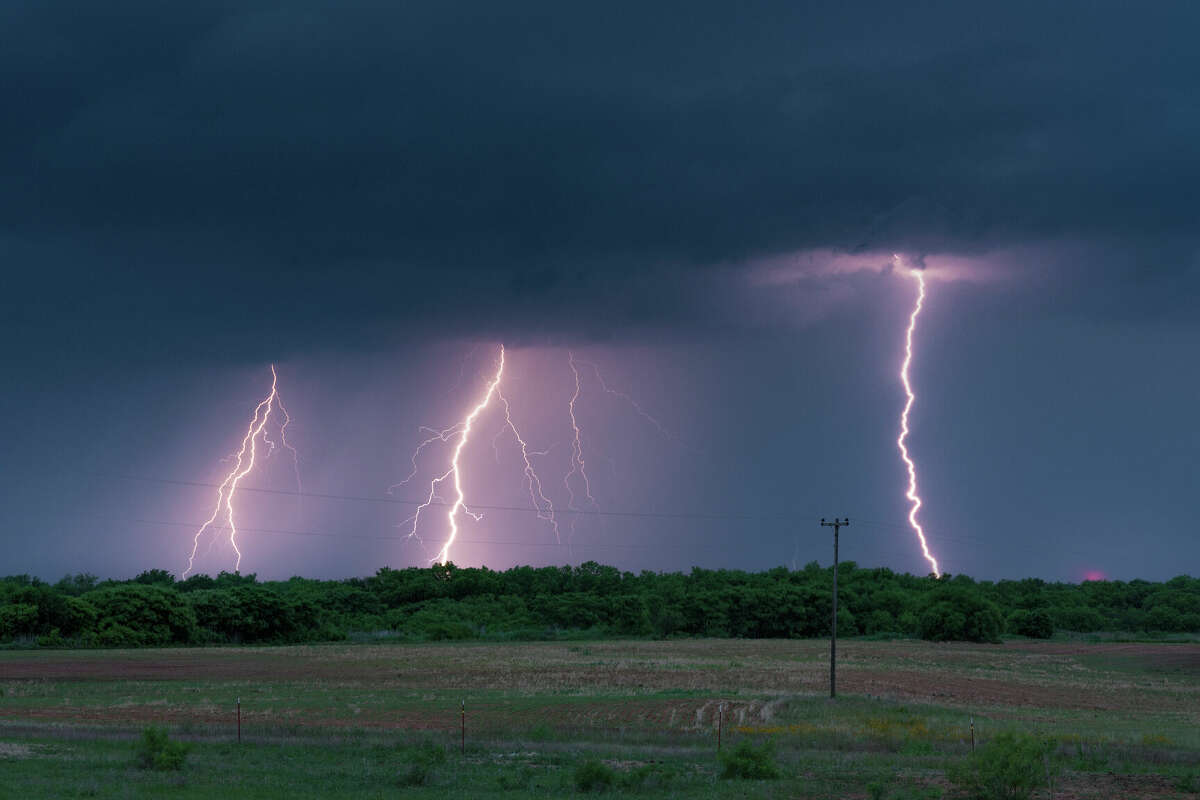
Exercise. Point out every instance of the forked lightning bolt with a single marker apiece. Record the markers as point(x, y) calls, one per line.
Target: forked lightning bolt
point(243, 465)
point(463, 432)
point(460, 433)
point(545, 509)
point(637, 407)
point(578, 464)
point(912, 495)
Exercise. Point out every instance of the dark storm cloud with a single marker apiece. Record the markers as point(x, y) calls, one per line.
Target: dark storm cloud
point(333, 169)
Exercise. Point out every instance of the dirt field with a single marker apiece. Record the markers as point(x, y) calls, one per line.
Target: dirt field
point(1006, 680)
point(1137, 701)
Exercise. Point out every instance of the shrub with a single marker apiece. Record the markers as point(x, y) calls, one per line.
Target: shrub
point(908, 623)
point(520, 779)
point(156, 751)
point(113, 634)
point(881, 621)
point(52, 639)
point(17, 619)
point(1007, 768)
point(593, 776)
point(746, 761)
point(1081, 619)
point(960, 613)
point(1035, 624)
point(647, 776)
point(422, 760)
point(149, 615)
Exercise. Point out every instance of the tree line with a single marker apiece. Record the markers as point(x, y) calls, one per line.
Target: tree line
point(447, 602)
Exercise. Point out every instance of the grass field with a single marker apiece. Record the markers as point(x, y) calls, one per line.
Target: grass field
point(384, 720)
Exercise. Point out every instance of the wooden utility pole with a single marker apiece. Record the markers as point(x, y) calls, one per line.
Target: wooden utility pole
point(836, 525)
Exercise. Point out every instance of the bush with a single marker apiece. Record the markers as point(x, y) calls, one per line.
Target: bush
point(592, 776)
point(17, 619)
point(52, 639)
point(960, 613)
point(746, 761)
point(881, 621)
point(156, 751)
point(646, 776)
point(1007, 768)
point(1079, 619)
point(510, 781)
point(1035, 624)
point(146, 615)
point(422, 760)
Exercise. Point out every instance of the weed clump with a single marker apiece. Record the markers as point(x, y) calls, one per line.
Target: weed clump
point(593, 776)
point(521, 779)
point(422, 762)
point(747, 762)
point(647, 776)
point(155, 750)
point(1007, 768)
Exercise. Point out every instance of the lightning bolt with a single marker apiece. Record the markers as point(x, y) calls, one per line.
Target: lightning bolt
point(545, 509)
point(622, 395)
point(244, 461)
point(287, 420)
point(463, 431)
point(578, 465)
point(460, 433)
point(912, 495)
point(437, 436)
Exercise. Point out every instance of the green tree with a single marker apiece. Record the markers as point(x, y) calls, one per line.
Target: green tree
point(151, 615)
point(1035, 624)
point(17, 619)
point(960, 613)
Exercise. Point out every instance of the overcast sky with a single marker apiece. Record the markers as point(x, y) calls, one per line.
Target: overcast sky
point(719, 206)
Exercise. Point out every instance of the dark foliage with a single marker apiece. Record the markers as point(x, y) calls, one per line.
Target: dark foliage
point(593, 776)
point(746, 761)
point(421, 763)
point(155, 750)
point(1009, 767)
point(452, 603)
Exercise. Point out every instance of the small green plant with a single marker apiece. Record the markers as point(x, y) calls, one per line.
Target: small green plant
point(877, 790)
point(415, 775)
point(914, 748)
point(745, 761)
point(1009, 767)
point(1188, 784)
point(520, 779)
point(647, 776)
point(541, 733)
point(422, 761)
point(593, 776)
point(1090, 758)
point(155, 750)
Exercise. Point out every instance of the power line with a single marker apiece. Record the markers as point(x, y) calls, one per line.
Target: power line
point(697, 515)
point(324, 534)
point(627, 514)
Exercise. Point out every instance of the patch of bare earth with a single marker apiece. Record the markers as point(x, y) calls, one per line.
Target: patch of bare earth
point(1126, 787)
point(1027, 675)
